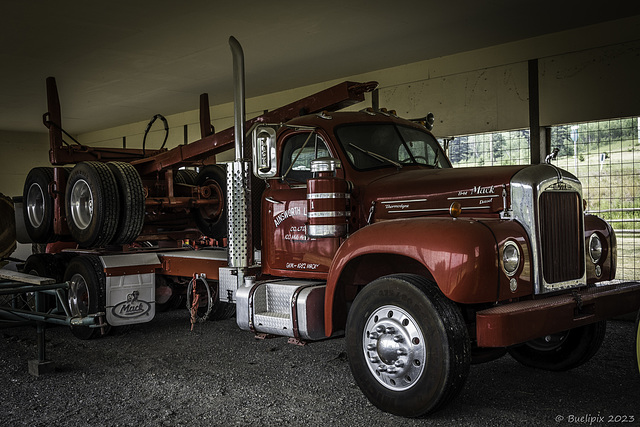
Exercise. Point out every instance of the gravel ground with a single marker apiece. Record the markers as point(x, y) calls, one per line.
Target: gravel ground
point(160, 373)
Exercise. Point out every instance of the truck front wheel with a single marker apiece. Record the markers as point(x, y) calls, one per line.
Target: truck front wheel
point(563, 351)
point(408, 345)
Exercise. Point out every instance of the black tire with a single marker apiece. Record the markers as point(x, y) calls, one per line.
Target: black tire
point(63, 259)
point(86, 291)
point(219, 310)
point(7, 226)
point(132, 203)
point(45, 265)
point(92, 204)
point(185, 176)
point(408, 345)
point(37, 205)
point(222, 310)
point(638, 340)
point(167, 294)
point(214, 226)
point(485, 355)
point(562, 351)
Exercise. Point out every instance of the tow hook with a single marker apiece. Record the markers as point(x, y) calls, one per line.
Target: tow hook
point(100, 322)
point(578, 299)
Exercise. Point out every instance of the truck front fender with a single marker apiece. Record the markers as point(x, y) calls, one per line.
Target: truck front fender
point(459, 255)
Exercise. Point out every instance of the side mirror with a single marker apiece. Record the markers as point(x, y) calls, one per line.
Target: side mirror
point(264, 152)
point(431, 119)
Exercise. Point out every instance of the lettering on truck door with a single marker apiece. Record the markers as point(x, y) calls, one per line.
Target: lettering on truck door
point(286, 244)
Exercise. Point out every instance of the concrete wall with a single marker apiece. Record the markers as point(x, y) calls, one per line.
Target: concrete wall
point(19, 153)
point(585, 74)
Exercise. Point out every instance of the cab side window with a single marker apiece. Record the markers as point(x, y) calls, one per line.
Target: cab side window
point(298, 152)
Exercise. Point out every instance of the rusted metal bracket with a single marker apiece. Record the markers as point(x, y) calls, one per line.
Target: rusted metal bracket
point(263, 336)
point(296, 341)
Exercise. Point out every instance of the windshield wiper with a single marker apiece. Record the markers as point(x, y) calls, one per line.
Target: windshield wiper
point(435, 162)
point(377, 156)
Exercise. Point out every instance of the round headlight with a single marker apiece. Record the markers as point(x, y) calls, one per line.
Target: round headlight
point(595, 248)
point(510, 258)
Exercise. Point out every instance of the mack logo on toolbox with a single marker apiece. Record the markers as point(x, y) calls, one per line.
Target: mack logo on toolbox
point(132, 307)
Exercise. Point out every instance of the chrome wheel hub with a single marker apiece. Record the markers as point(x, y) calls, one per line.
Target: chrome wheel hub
point(394, 348)
point(81, 203)
point(35, 205)
point(78, 296)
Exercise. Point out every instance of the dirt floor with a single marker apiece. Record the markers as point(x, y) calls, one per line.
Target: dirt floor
point(160, 373)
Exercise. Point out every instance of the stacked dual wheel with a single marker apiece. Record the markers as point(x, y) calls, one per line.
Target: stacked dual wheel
point(38, 205)
point(212, 221)
point(104, 204)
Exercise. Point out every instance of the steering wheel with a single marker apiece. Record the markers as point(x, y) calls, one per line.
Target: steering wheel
point(416, 160)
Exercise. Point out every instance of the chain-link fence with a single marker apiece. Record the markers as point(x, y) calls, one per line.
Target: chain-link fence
point(604, 155)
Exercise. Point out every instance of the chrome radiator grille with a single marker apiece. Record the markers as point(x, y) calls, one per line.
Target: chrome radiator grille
point(561, 240)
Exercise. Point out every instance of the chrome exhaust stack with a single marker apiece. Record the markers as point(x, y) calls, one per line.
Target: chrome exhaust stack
point(238, 174)
point(238, 97)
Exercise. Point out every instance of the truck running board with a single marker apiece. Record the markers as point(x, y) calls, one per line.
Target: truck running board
point(291, 308)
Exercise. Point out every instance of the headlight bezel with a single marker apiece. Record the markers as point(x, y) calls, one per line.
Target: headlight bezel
point(595, 239)
point(512, 250)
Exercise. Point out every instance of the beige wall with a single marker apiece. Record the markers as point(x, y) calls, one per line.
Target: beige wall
point(591, 85)
point(585, 74)
point(19, 152)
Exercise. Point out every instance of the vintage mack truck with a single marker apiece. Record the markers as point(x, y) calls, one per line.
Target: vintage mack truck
point(331, 223)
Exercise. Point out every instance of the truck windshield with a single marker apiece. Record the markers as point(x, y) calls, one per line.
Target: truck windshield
point(371, 146)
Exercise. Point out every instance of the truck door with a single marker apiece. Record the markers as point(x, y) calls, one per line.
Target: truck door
point(286, 247)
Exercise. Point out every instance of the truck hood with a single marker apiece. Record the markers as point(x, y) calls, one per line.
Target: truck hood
point(420, 192)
